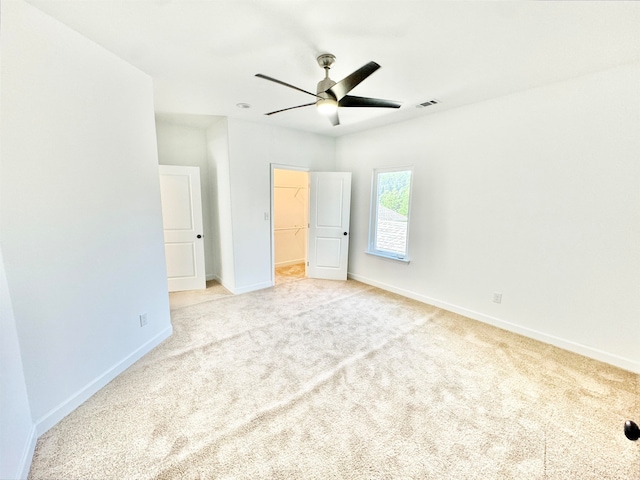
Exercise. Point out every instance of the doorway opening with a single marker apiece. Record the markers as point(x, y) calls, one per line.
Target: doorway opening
point(290, 214)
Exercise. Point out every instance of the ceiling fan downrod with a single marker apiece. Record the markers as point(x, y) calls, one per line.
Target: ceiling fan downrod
point(325, 61)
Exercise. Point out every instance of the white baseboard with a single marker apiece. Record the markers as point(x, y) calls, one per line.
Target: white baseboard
point(221, 282)
point(27, 454)
point(246, 289)
point(290, 262)
point(57, 413)
point(251, 288)
point(594, 353)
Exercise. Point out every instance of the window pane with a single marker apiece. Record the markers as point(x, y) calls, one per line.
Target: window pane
point(392, 211)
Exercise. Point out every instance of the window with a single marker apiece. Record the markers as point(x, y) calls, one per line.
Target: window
point(390, 207)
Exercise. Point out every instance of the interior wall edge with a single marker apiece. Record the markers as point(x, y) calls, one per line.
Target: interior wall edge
point(56, 414)
point(571, 346)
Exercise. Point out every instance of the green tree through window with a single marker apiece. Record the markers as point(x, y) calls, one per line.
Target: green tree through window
point(393, 191)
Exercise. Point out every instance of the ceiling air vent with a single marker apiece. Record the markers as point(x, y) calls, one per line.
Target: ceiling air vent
point(428, 103)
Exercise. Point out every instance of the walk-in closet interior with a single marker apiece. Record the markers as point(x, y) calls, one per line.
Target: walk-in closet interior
point(290, 217)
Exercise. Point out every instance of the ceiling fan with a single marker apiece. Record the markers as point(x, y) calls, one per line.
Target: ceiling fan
point(330, 95)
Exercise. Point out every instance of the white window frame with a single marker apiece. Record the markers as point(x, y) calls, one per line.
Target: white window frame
point(373, 218)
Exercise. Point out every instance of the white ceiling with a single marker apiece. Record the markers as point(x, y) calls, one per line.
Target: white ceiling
point(203, 55)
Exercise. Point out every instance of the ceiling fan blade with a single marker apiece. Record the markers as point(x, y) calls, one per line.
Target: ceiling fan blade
point(291, 108)
point(352, 101)
point(259, 75)
point(344, 86)
point(333, 118)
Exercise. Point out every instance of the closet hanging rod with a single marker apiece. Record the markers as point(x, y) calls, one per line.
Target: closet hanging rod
point(290, 186)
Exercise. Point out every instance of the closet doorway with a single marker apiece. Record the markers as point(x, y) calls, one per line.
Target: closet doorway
point(290, 214)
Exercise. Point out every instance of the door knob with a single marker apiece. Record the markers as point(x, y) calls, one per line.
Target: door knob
point(631, 430)
point(344, 233)
point(199, 236)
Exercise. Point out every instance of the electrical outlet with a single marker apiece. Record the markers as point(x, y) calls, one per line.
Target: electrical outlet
point(497, 297)
point(143, 319)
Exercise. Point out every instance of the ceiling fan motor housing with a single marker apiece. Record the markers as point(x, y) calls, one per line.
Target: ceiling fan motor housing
point(324, 85)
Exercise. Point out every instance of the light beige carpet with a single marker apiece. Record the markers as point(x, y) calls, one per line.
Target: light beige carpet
point(337, 380)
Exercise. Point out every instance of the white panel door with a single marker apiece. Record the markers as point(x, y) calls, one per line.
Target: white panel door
point(182, 223)
point(329, 210)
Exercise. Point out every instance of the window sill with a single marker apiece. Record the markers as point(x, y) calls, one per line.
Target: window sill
point(388, 256)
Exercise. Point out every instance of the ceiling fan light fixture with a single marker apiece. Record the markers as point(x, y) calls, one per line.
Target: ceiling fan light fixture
point(327, 106)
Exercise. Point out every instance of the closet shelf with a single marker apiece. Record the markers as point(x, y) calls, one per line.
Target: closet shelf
point(297, 187)
point(297, 228)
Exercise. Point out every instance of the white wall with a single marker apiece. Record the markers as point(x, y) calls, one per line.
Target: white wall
point(535, 195)
point(187, 146)
point(81, 226)
point(17, 430)
point(290, 210)
point(252, 149)
point(220, 188)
